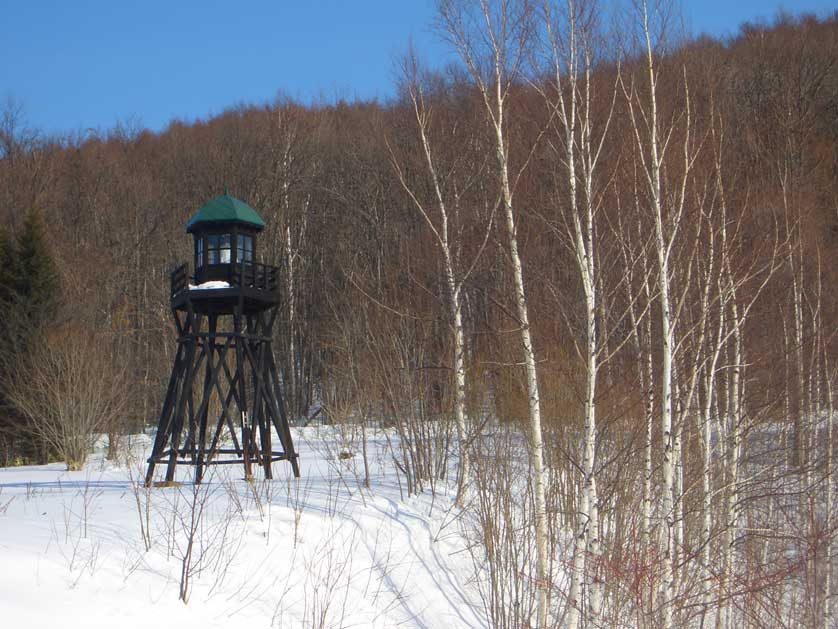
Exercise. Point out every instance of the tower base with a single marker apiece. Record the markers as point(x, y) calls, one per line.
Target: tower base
point(223, 404)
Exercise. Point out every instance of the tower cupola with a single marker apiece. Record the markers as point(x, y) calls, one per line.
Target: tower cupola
point(224, 232)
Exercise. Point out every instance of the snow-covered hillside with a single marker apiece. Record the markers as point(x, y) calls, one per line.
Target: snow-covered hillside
point(96, 549)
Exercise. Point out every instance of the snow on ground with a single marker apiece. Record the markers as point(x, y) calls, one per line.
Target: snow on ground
point(317, 551)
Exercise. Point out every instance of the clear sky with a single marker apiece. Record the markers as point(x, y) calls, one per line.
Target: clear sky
point(79, 64)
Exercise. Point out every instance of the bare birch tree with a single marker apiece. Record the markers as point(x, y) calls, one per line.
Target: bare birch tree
point(638, 294)
point(492, 39)
point(570, 50)
point(446, 227)
point(829, 472)
point(652, 171)
point(653, 136)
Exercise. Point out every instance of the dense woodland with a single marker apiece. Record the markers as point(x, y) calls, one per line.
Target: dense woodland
point(591, 270)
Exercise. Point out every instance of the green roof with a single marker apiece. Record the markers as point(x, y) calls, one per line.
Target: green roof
point(225, 209)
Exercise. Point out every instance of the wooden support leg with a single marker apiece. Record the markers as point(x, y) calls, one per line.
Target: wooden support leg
point(185, 392)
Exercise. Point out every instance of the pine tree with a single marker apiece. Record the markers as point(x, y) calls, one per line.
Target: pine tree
point(35, 274)
point(8, 304)
point(6, 265)
point(29, 292)
point(8, 426)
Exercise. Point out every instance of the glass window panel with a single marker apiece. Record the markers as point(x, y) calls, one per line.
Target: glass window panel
point(224, 242)
point(218, 248)
point(244, 248)
point(239, 248)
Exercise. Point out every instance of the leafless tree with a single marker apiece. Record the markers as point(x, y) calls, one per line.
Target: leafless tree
point(71, 390)
point(445, 217)
point(571, 49)
point(493, 39)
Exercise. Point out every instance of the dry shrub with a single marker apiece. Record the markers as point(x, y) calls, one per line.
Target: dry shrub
point(69, 390)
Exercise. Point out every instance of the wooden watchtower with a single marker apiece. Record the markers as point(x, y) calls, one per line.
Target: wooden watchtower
point(223, 402)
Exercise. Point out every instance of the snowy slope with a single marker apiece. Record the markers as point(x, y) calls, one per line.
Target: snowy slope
point(287, 553)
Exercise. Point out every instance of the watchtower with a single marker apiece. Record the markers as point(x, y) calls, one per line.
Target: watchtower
point(223, 400)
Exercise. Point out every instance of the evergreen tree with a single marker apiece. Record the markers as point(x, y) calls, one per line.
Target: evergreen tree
point(29, 292)
point(8, 303)
point(35, 276)
point(7, 273)
point(9, 428)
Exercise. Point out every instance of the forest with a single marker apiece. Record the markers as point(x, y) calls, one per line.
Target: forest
point(590, 269)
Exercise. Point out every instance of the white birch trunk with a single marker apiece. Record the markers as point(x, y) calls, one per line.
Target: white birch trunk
point(830, 488)
point(668, 465)
point(577, 124)
point(591, 514)
point(667, 336)
point(797, 303)
point(500, 42)
point(734, 444)
point(456, 314)
point(678, 482)
point(292, 307)
point(649, 415)
point(707, 475)
point(534, 400)
point(645, 362)
point(460, 392)
point(648, 470)
point(706, 500)
point(453, 282)
point(651, 154)
point(536, 443)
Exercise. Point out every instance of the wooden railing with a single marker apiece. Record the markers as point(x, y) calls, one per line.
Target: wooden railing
point(246, 274)
point(255, 275)
point(180, 279)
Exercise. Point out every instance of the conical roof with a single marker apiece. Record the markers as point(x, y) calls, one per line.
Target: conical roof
point(225, 209)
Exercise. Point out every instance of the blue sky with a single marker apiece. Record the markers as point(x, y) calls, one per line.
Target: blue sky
point(88, 64)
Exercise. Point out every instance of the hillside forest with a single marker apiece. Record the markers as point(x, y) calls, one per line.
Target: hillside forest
point(589, 270)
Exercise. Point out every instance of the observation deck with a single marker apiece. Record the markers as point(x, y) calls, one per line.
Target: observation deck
point(251, 286)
